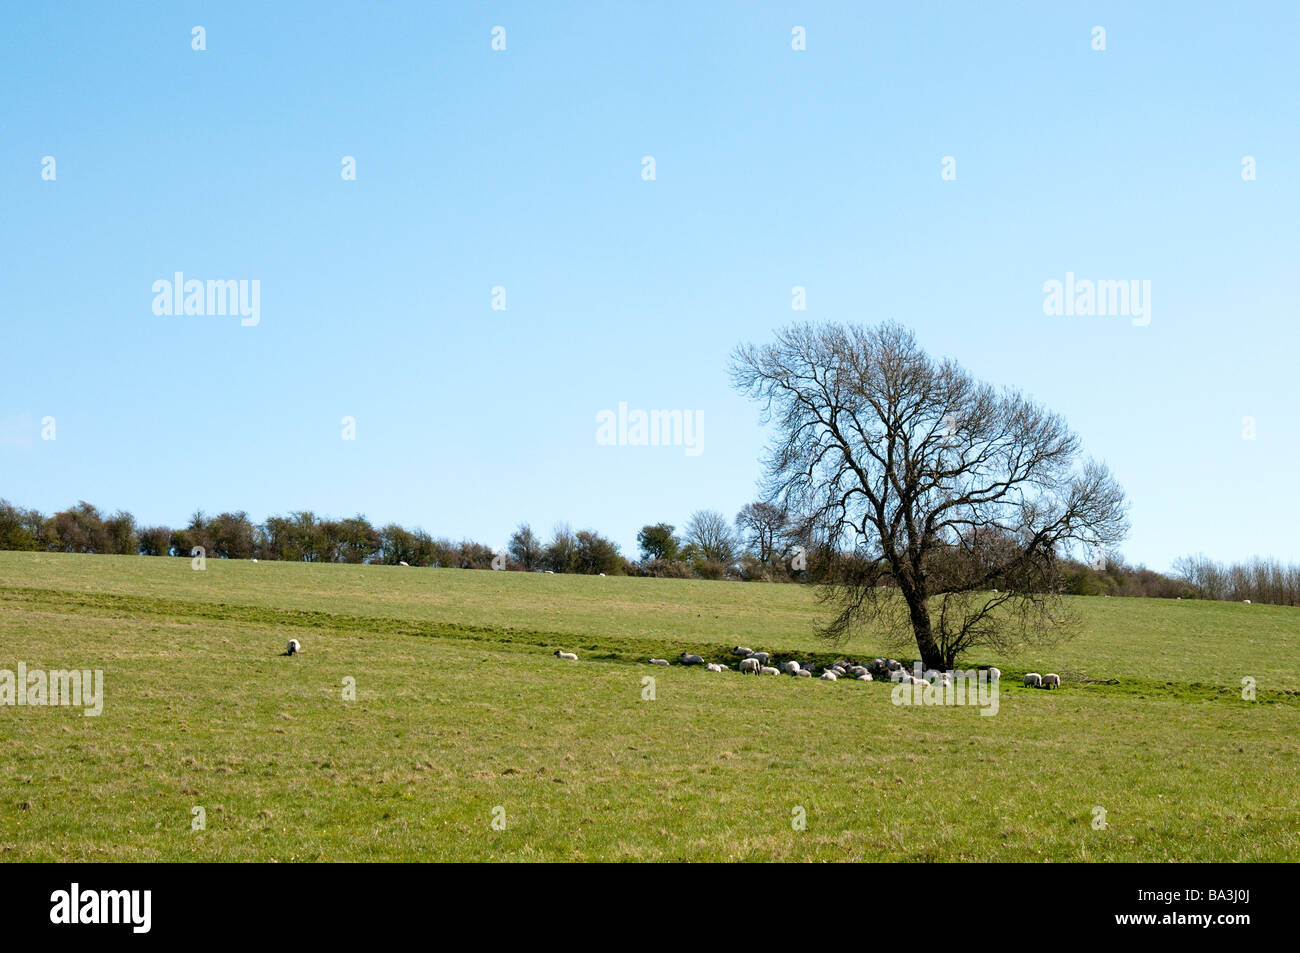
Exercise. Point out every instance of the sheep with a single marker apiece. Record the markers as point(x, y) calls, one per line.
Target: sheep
point(803, 673)
point(294, 647)
point(829, 677)
point(742, 651)
point(769, 670)
point(1246, 601)
point(659, 661)
point(1033, 680)
point(763, 657)
point(724, 666)
point(688, 659)
point(1051, 680)
point(859, 670)
point(995, 674)
point(403, 562)
point(790, 668)
point(841, 663)
point(750, 665)
point(865, 677)
point(566, 655)
point(713, 667)
point(254, 559)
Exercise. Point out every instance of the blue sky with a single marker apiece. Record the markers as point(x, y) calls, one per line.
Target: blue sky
point(522, 168)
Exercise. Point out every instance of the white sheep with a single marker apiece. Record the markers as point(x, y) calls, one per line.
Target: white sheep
point(763, 657)
point(688, 659)
point(1033, 680)
point(750, 665)
point(659, 661)
point(995, 674)
point(713, 667)
point(829, 677)
point(769, 670)
point(858, 671)
point(566, 655)
point(294, 647)
point(864, 677)
point(790, 668)
point(254, 559)
point(803, 673)
point(1051, 680)
point(1246, 601)
point(742, 651)
point(404, 563)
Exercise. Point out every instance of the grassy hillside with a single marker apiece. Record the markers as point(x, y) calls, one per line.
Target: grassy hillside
point(461, 709)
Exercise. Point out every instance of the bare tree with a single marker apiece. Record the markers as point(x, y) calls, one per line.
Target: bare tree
point(927, 488)
point(763, 528)
point(708, 534)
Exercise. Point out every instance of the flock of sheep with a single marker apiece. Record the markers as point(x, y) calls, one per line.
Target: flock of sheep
point(759, 663)
point(756, 663)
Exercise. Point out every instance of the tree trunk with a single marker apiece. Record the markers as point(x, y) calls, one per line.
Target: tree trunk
point(931, 657)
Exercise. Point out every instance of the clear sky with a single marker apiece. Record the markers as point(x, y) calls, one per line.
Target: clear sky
point(523, 169)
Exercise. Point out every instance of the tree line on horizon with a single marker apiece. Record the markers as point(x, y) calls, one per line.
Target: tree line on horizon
point(762, 544)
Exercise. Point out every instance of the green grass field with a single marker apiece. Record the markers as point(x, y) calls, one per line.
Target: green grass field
point(463, 715)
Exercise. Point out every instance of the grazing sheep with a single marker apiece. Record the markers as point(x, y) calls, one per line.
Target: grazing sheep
point(750, 665)
point(763, 657)
point(769, 670)
point(1051, 680)
point(995, 674)
point(742, 651)
point(790, 668)
point(724, 666)
point(1033, 680)
point(864, 677)
point(566, 655)
point(713, 667)
point(688, 659)
point(829, 677)
point(859, 670)
point(294, 647)
point(803, 673)
point(659, 661)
